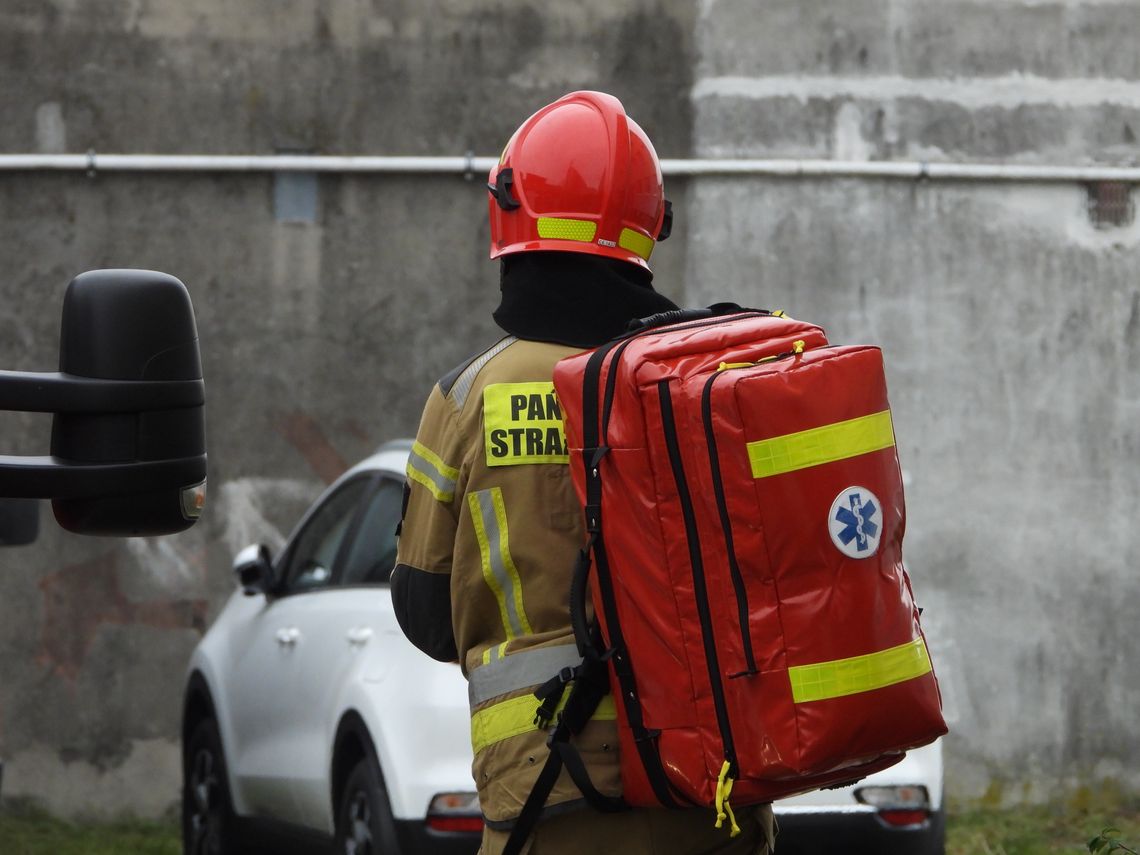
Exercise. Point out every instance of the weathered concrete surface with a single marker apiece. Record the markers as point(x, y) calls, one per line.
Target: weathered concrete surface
point(319, 339)
point(1011, 329)
point(872, 79)
point(352, 76)
point(1009, 324)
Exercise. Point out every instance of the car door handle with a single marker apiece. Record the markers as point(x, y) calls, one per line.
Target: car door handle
point(288, 637)
point(359, 636)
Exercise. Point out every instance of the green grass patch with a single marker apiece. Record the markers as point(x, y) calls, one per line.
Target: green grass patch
point(28, 831)
point(1045, 830)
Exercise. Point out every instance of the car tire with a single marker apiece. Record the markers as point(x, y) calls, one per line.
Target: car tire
point(364, 823)
point(937, 833)
point(209, 825)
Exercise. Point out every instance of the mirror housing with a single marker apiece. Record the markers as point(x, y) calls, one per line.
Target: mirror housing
point(19, 521)
point(254, 570)
point(128, 446)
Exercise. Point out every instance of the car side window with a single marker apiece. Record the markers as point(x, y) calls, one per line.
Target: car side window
point(372, 554)
point(310, 562)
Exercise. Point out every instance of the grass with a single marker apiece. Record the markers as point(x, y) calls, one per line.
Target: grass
point(1036, 830)
point(28, 831)
point(1025, 831)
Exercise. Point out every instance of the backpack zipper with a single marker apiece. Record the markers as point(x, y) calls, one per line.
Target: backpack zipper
point(722, 509)
point(722, 505)
point(699, 588)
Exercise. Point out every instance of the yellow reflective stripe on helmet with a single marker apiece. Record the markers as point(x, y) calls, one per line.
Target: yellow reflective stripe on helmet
point(427, 469)
point(821, 445)
point(559, 228)
point(636, 242)
point(489, 516)
point(841, 677)
point(516, 716)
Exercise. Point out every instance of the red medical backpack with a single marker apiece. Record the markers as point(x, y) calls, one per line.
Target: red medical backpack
point(744, 505)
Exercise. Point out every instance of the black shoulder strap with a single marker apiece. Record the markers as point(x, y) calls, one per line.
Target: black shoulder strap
point(594, 451)
point(590, 685)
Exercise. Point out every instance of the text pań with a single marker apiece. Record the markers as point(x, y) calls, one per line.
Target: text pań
point(522, 424)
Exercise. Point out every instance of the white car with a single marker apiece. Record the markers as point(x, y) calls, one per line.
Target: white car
point(309, 717)
point(898, 811)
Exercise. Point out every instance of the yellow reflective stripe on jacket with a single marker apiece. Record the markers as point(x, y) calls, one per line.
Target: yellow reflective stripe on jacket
point(516, 716)
point(489, 516)
point(821, 445)
point(427, 469)
point(494, 653)
point(857, 674)
point(522, 423)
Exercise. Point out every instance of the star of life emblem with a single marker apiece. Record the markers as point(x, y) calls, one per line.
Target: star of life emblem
point(855, 522)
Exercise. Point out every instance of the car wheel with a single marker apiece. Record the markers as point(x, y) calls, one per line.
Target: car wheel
point(364, 824)
point(208, 821)
point(937, 833)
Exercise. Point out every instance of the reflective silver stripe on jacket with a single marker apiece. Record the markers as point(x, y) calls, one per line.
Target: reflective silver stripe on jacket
point(440, 478)
point(519, 671)
point(489, 517)
point(463, 384)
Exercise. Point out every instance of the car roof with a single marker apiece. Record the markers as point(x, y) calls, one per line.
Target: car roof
point(391, 457)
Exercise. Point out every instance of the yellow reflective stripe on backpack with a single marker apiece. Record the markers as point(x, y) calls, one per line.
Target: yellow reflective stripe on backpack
point(516, 716)
point(858, 674)
point(820, 445)
point(522, 423)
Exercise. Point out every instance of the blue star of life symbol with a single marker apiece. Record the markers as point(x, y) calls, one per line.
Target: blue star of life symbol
point(856, 520)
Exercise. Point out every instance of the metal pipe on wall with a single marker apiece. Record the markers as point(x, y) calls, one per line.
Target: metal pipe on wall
point(93, 163)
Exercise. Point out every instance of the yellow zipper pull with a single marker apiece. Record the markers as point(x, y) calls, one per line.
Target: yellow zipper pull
point(723, 808)
point(724, 366)
point(798, 346)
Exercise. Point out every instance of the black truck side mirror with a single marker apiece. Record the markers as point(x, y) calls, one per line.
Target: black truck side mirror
point(128, 444)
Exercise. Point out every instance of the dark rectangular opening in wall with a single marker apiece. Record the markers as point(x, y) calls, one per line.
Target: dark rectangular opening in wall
point(295, 197)
point(1110, 204)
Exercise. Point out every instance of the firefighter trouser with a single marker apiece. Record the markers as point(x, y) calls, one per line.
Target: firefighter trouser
point(645, 831)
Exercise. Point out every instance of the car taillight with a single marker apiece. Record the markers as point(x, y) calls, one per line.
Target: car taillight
point(903, 818)
point(898, 806)
point(455, 812)
point(473, 824)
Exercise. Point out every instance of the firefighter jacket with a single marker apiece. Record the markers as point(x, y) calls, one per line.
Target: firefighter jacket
point(490, 534)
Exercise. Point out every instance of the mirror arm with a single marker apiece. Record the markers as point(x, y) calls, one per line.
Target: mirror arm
point(53, 478)
point(56, 392)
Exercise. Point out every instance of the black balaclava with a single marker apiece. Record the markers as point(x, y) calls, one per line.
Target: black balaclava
point(573, 298)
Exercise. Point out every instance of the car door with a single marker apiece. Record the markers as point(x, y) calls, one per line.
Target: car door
point(346, 632)
point(279, 677)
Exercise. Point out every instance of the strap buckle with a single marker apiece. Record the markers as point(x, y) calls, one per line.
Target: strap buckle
point(550, 694)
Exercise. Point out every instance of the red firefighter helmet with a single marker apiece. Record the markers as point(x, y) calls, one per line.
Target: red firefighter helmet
point(579, 176)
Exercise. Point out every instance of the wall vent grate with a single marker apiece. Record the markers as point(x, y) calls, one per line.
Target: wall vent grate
point(1110, 204)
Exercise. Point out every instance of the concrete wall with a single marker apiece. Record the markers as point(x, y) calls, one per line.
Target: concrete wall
point(1009, 323)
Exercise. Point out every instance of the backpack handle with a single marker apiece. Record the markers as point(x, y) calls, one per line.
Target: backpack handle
point(677, 316)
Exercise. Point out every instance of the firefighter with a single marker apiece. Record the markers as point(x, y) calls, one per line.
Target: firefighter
point(491, 525)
